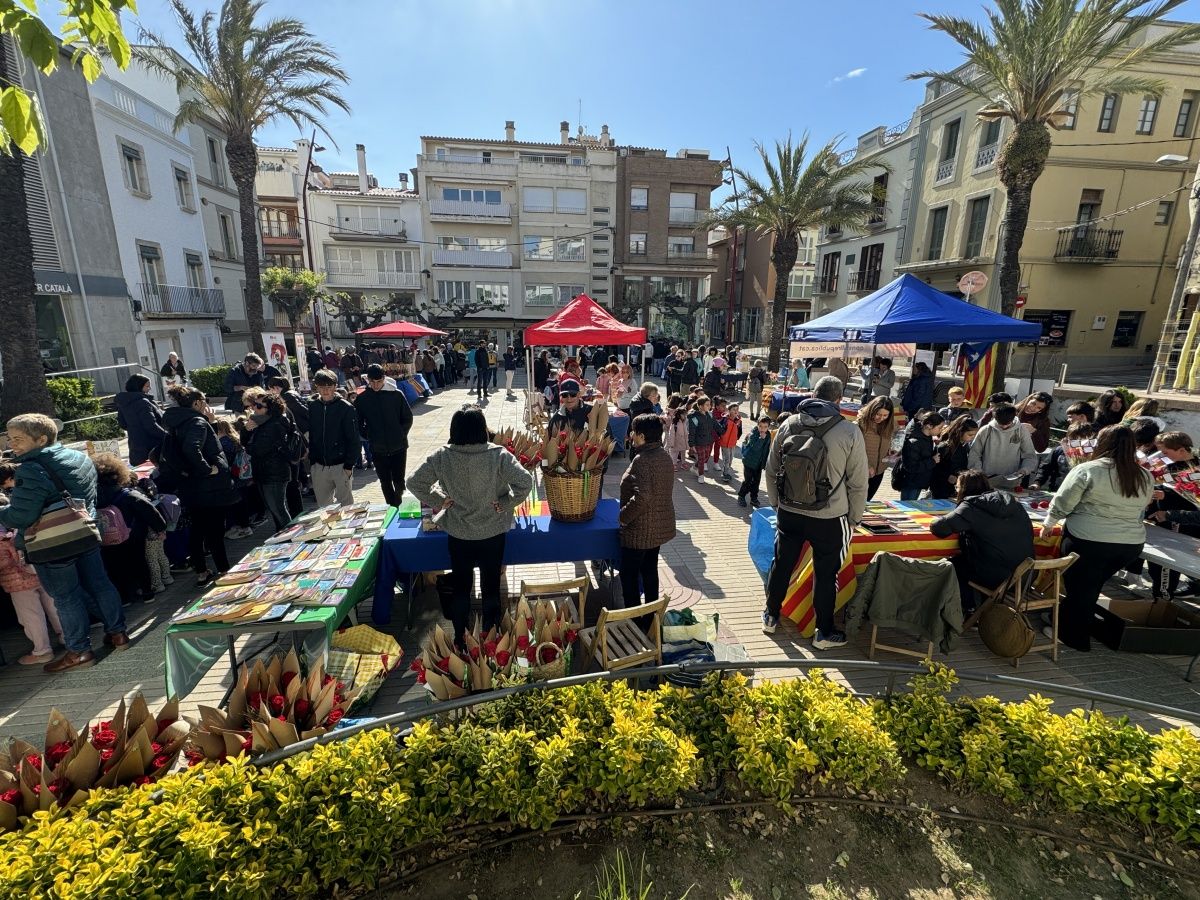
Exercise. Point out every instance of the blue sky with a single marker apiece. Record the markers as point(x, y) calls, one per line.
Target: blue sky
point(659, 73)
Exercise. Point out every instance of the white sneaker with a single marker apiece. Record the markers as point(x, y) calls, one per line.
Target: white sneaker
point(1048, 632)
point(700, 479)
point(233, 533)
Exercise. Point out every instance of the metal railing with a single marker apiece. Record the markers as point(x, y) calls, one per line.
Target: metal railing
point(826, 284)
point(482, 259)
point(986, 156)
point(275, 230)
point(369, 278)
point(181, 300)
point(473, 160)
point(370, 228)
point(682, 215)
point(469, 209)
point(945, 170)
point(1088, 244)
point(862, 281)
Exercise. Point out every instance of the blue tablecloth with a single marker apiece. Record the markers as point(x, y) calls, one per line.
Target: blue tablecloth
point(406, 550)
point(788, 402)
point(762, 540)
point(410, 393)
point(618, 427)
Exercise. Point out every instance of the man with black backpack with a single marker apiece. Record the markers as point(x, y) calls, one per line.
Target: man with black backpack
point(817, 482)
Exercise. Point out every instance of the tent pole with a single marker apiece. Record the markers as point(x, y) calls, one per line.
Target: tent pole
point(1033, 366)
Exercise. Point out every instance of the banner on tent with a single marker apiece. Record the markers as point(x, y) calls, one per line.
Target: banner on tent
point(851, 350)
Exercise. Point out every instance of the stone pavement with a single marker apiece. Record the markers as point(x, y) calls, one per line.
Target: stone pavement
point(706, 566)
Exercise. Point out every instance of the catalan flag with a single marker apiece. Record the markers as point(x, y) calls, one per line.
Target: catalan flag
point(981, 360)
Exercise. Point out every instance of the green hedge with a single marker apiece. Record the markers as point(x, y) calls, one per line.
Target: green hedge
point(75, 398)
point(336, 818)
point(210, 379)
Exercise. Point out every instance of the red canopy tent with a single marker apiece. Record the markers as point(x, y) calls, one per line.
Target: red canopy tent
point(399, 330)
point(582, 322)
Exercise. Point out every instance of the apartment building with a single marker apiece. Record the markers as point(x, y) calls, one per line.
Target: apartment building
point(1106, 224)
point(853, 263)
point(659, 251)
point(524, 225)
point(277, 187)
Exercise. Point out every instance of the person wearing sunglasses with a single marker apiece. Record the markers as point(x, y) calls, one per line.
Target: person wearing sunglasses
point(384, 419)
point(270, 427)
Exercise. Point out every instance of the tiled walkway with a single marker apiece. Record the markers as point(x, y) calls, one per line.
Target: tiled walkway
point(706, 565)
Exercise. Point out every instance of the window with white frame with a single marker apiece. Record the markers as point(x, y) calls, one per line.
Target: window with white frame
point(537, 199)
point(678, 245)
point(473, 195)
point(537, 247)
point(402, 261)
point(570, 249)
point(495, 294)
point(749, 320)
point(539, 295)
point(800, 285)
point(1070, 105)
point(637, 243)
point(568, 292)
point(369, 219)
point(457, 242)
point(639, 198)
point(1147, 113)
point(228, 235)
point(208, 346)
point(491, 244)
point(216, 165)
point(452, 291)
point(194, 266)
point(343, 261)
point(1183, 120)
point(133, 169)
point(183, 188)
point(150, 263)
point(571, 200)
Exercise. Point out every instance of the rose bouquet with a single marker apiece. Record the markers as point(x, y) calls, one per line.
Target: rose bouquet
point(526, 449)
point(576, 451)
point(545, 635)
point(132, 748)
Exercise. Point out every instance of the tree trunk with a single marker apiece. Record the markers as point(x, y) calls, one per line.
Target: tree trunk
point(24, 379)
point(243, 165)
point(783, 258)
point(1021, 163)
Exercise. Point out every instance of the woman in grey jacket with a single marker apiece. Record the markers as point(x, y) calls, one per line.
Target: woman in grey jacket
point(475, 485)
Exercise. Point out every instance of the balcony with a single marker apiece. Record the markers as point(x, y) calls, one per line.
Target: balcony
point(825, 285)
point(1088, 245)
point(454, 164)
point(181, 300)
point(369, 230)
point(470, 211)
point(553, 165)
point(681, 215)
point(985, 157)
point(862, 282)
point(474, 259)
point(878, 217)
point(945, 170)
point(274, 231)
point(373, 278)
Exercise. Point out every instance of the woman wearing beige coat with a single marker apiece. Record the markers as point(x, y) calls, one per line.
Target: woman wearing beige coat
point(877, 421)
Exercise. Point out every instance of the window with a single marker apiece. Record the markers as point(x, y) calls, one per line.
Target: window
point(277, 223)
point(599, 237)
point(471, 195)
point(455, 242)
point(150, 263)
point(572, 200)
point(133, 169)
point(680, 246)
point(210, 349)
point(831, 268)
point(568, 292)
point(599, 209)
point(539, 295)
point(451, 291)
point(800, 285)
point(950, 140)
point(400, 261)
point(639, 198)
point(486, 156)
point(749, 324)
point(195, 269)
point(343, 261)
point(183, 189)
point(1163, 216)
point(570, 250)
point(496, 294)
point(869, 267)
point(977, 213)
point(1183, 121)
point(1108, 113)
point(1146, 115)
point(672, 286)
point(1125, 332)
point(537, 199)
point(440, 153)
point(1070, 105)
point(1089, 206)
point(683, 207)
point(491, 244)
point(637, 243)
point(216, 168)
point(284, 260)
point(369, 219)
point(228, 236)
point(536, 247)
point(937, 232)
point(991, 134)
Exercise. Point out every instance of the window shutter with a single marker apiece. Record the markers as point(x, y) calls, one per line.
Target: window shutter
point(41, 226)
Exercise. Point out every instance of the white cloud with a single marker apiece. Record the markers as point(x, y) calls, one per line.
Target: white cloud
point(853, 73)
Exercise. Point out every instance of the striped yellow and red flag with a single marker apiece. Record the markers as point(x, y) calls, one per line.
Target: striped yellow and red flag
point(981, 360)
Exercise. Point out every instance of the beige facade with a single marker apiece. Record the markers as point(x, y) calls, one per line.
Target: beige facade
point(1106, 223)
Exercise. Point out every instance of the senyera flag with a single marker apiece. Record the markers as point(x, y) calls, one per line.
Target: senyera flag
point(981, 360)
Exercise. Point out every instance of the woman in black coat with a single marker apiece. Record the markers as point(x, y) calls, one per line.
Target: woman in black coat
point(270, 429)
point(141, 418)
point(953, 456)
point(541, 371)
point(193, 465)
point(125, 563)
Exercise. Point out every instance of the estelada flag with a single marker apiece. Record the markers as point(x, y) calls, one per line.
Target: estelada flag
point(981, 360)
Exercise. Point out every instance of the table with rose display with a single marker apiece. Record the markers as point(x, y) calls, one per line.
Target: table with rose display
point(779, 402)
point(911, 538)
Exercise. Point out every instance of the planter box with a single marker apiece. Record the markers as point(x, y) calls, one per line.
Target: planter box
point(1140, 627)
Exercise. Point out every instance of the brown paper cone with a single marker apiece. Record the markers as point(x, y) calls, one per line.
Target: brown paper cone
point(139, 712)
point(209, 743)
point(262, 740)
point(59, 729)
point(83, 768)
point(284, 733)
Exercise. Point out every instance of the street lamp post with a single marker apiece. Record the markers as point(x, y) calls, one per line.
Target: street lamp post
point(1179, 291)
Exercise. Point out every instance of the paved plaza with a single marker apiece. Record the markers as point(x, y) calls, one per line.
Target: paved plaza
point(706, 566)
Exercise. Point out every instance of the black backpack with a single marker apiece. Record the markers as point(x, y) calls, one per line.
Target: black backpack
point(803, 479)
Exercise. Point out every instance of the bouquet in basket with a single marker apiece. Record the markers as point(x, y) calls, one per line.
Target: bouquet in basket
point(132, 748)
point(576, 451)
point(526, 449)
point(270, 707)
point(545, 634)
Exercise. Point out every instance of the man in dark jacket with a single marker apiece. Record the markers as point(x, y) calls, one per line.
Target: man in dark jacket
point(480, 361)
point(690, 372)
point(385, 418)
point(334, 446)
point(247, 373)
point(78, 584)
point(674, 372)
point(352, 366)
point(315, 360)
point(141, 418)
point(572, 411)
point(918, 394)
point(297, 406)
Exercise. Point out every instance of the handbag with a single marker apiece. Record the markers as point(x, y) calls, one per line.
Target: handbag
point(63, 533)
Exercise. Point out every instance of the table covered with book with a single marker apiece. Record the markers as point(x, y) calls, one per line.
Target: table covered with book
point(892, 526)
point(304, 580)
point(779, 402)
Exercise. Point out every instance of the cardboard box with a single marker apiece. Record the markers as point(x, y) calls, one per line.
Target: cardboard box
point(1138, 626)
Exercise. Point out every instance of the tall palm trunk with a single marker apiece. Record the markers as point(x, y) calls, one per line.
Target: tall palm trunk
point(1021, 162)
point(783, 258)
point(243, 165)
point(24, 379)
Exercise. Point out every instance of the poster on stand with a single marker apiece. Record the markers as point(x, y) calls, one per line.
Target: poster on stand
point(277, 354)
point(302, 361)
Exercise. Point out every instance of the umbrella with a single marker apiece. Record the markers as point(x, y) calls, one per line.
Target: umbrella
point(399, 330)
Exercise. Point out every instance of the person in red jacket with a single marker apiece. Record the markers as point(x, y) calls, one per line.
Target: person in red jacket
point(728, 440)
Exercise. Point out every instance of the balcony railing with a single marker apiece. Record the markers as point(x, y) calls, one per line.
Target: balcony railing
point(467, 158)
point(368, 229)
point(470, 210)
point(478, 259)
point(371, 278)
point(945, 170)
point(275, 230)
point(862, 282)
point(878, 218)
point(181, 300)
point(682, 215)
point(986, 156)
point(673, 253)
point(1087, 244)
point(826, 284)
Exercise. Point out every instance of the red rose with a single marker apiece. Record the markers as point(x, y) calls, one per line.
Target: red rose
point(335, 716)
point(531, 654)
point(443, 664)
point(287, 678)
point(548, 654)
point(58, 752)
point(474, 653)
point(571, 635)
point(502, 658)
point(255, 699)
point(421, 677)
point(12, 796)
point(104, 738)
point(489, 648)
point(161, 761)
point(60, 787)
point(523, 643)
point(106, 754)
point(142, 779)
point(193, 756)
point(278, 701)
point(325, 679)
point(529, 622)
point(301, 709)
point(247, 744)
point(34, 760)
point(156, 748)
point(165, 723)
point(340, 689)
point(417, 665)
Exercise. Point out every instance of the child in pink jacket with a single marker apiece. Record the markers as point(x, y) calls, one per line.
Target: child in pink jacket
point(33, 605)
point(675, 431)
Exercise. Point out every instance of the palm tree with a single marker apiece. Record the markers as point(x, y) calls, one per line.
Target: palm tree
point(1031, 63)
point(797, 194)
point(246, 73)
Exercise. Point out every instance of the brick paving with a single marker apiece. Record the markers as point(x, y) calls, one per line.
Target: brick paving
point(706, 566)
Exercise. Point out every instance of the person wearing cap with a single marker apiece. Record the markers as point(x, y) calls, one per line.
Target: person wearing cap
point(385, 418)
point(712, 378)
point(572, 411)
point(480, 359)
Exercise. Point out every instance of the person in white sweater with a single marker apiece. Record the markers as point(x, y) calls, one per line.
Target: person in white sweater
point(1003, 450)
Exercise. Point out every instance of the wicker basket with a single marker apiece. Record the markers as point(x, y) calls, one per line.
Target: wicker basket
point(572, 496)
point(556, 668)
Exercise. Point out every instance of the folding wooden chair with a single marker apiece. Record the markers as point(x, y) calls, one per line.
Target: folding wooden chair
point(570, 594)
point(616, 641)
point(1045, 593)
point(1014, 584)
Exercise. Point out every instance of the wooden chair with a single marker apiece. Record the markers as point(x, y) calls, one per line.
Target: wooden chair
point(1045, 593)
point(892, 648)
point(616, 641)
point(1015, 584)
point(571, 594)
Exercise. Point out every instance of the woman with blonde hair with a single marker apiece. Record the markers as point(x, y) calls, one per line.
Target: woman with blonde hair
point(877, 421)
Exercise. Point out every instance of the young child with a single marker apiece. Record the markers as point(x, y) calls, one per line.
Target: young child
point(34, 607)
point(720, 414)
point(729, 439)
point(917, 457)
point(116, 486)
point(755, 448)
point(676, 436)
point(701, 433)
point(156, 551)
point(957, 405)
point(239, 468)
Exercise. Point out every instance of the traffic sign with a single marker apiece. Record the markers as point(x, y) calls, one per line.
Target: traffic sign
point(1020, 302)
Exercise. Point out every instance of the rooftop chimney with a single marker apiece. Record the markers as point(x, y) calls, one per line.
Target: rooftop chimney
point(605, 137)
point(364, 180)
point(404, 181)
point(564, 131)
point(510, 130)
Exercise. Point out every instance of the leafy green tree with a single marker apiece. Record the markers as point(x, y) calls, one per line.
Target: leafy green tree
point(1028, 63)
point(247, 72)
point(89, 28)
point(795, 192)
point(293, 290)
